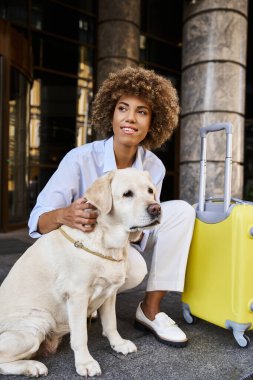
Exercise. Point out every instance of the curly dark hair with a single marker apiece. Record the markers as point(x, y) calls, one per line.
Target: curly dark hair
point(156, 90)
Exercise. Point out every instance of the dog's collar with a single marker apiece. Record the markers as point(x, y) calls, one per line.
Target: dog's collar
point(79, 244)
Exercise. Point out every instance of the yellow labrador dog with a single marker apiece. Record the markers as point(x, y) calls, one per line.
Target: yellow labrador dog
point(67, 274)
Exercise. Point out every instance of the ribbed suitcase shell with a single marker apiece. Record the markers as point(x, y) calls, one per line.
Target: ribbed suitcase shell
point(219, 276)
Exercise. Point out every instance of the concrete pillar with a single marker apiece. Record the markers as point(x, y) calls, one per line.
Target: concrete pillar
point(213, 90)
point(118, 36)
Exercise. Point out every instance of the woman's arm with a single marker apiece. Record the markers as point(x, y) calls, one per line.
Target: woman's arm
point(80, 214)
point(60, 203)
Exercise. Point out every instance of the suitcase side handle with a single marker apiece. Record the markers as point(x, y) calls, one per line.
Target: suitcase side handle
point(228, 163)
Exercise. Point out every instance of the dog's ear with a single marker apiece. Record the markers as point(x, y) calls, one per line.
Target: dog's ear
point(147, 174)
point(135, 236)
point(99, 194)
point(150, 178)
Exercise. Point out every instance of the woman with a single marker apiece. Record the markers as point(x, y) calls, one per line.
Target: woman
point(134, 110)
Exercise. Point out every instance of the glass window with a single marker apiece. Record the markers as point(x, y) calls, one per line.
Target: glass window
point(162, 53)
point(37, 9)
point(34, 142)
point(37, 42)
point(63, 21)
point(86, 30)
point(162, 18)
point(60, 55)
point(14, 10)
point(84, 97)
point(65, 17)
point(71, 23)
point(52, 53)
point(84, 5)
point(58, 117)
point(52, 127)
point(85, 65)
point(18, 154)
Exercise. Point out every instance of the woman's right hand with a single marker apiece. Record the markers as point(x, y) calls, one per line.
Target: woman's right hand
point(80, 214)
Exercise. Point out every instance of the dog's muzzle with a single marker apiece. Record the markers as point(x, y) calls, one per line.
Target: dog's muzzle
point(154, 210)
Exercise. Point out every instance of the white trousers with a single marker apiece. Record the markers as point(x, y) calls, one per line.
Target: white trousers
point(169, 244)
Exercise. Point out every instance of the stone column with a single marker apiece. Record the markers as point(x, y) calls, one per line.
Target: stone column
point(118, 36)
point(213, 90)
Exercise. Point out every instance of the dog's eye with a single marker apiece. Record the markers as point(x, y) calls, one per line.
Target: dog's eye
point(128, 194)
point(151, 191)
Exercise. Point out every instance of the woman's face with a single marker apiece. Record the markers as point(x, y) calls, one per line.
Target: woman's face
point(131, 120)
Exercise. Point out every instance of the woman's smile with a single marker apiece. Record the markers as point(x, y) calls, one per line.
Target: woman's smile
point(129, 130)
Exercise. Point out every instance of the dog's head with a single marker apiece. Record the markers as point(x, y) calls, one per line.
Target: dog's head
point(126, 197)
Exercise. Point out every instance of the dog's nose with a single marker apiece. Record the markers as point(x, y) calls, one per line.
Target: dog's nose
point(154, 209)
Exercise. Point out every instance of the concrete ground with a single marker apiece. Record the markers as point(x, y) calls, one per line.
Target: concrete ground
point(212, 353)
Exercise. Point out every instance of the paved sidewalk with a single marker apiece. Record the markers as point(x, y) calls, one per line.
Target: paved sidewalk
point(212, 353)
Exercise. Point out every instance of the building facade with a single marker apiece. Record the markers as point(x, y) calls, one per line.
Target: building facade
point(54, 54)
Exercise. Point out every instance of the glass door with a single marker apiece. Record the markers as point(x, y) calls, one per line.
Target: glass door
point(18, 154)
point(15, 80)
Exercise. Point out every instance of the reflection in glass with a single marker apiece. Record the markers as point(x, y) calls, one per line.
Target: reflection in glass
point(18, 153)
point(84, 96)
point(37, 14)
point(86, 29)
point(34, 141)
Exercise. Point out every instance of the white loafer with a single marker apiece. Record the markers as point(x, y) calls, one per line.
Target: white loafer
point(163, 327)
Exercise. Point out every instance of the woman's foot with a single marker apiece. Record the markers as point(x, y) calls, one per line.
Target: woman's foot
point(162, 326)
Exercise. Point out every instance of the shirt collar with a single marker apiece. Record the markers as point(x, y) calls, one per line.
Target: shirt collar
point(138, 161)
point(109, 157)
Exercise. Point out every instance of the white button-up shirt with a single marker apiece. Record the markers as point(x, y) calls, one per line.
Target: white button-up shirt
point(79, 169)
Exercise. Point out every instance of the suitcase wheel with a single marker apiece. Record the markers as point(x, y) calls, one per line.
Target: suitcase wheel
point(188, 317)
point(242, 339)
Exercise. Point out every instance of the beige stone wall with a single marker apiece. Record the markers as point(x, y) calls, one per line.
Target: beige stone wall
point(213, 90)
point(118, 36)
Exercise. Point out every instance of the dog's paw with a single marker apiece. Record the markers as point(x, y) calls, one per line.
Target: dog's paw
point(90, 368)
point(125, 347)
point(33, 368)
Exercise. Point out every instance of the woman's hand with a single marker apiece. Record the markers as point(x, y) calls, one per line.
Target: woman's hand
point(80, 214)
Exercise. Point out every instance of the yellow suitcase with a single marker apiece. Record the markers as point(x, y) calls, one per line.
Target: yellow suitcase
point(219, 278)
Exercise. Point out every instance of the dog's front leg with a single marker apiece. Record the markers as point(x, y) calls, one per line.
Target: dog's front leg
point(109, 323)
point(77, 314)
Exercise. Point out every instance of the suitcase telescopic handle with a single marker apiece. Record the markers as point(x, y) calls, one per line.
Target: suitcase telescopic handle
point(228, 163)
point(215, 128)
